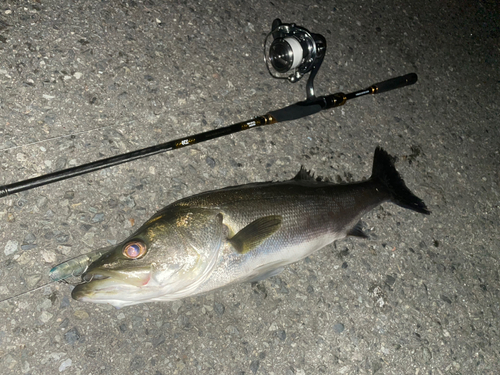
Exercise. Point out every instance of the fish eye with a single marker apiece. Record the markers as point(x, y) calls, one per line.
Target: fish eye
point(134, 250)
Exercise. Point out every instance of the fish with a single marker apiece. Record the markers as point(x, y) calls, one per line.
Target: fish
point(237, 234)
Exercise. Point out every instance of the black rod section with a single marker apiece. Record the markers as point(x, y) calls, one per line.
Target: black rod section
point(129, 156)
point(384, 86)
point(292, 112)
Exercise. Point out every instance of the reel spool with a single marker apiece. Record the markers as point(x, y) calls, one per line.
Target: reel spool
point(292, 51)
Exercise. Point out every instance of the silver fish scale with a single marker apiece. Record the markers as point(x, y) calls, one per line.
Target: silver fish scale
point(314, 215)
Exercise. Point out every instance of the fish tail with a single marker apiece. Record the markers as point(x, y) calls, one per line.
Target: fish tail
point(384, 172)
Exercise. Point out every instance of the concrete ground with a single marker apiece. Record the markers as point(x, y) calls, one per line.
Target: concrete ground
point(81, 80)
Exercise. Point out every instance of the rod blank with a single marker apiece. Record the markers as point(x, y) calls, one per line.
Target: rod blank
point(289, 113)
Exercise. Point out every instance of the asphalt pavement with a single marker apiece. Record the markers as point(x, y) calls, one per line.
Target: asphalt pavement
point(82, 80)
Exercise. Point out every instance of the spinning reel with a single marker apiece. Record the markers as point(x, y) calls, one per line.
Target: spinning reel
point(292, 51)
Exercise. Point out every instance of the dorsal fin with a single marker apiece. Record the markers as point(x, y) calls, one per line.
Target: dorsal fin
point(304, 175)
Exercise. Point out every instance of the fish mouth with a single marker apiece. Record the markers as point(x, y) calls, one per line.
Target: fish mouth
point(88, 277)
point(105, 286)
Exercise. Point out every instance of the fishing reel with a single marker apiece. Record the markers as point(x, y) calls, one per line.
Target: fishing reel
point(291, 52)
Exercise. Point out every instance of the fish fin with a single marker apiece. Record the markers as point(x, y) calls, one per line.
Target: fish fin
point(357, 231)
point(255, 233)
point(384, 172)
point(266, 275)
point(304, 175)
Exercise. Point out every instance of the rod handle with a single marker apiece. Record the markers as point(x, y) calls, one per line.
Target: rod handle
point(394, 83)
point(297, 111)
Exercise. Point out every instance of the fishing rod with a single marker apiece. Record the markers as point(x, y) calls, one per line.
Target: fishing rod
point(290, 52)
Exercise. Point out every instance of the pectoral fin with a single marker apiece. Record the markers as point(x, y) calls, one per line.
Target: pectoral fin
point(255, 233)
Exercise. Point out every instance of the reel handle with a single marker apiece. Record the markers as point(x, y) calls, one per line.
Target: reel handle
point(395, 83)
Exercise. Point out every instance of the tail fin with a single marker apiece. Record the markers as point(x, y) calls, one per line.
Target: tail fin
point(385, 172)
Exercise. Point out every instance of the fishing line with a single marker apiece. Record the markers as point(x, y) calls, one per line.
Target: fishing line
point(28, 291)
point(59, 137)
point(61, 281)
point(84, 131)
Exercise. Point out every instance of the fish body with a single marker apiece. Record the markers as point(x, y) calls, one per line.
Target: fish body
point(237, 234)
